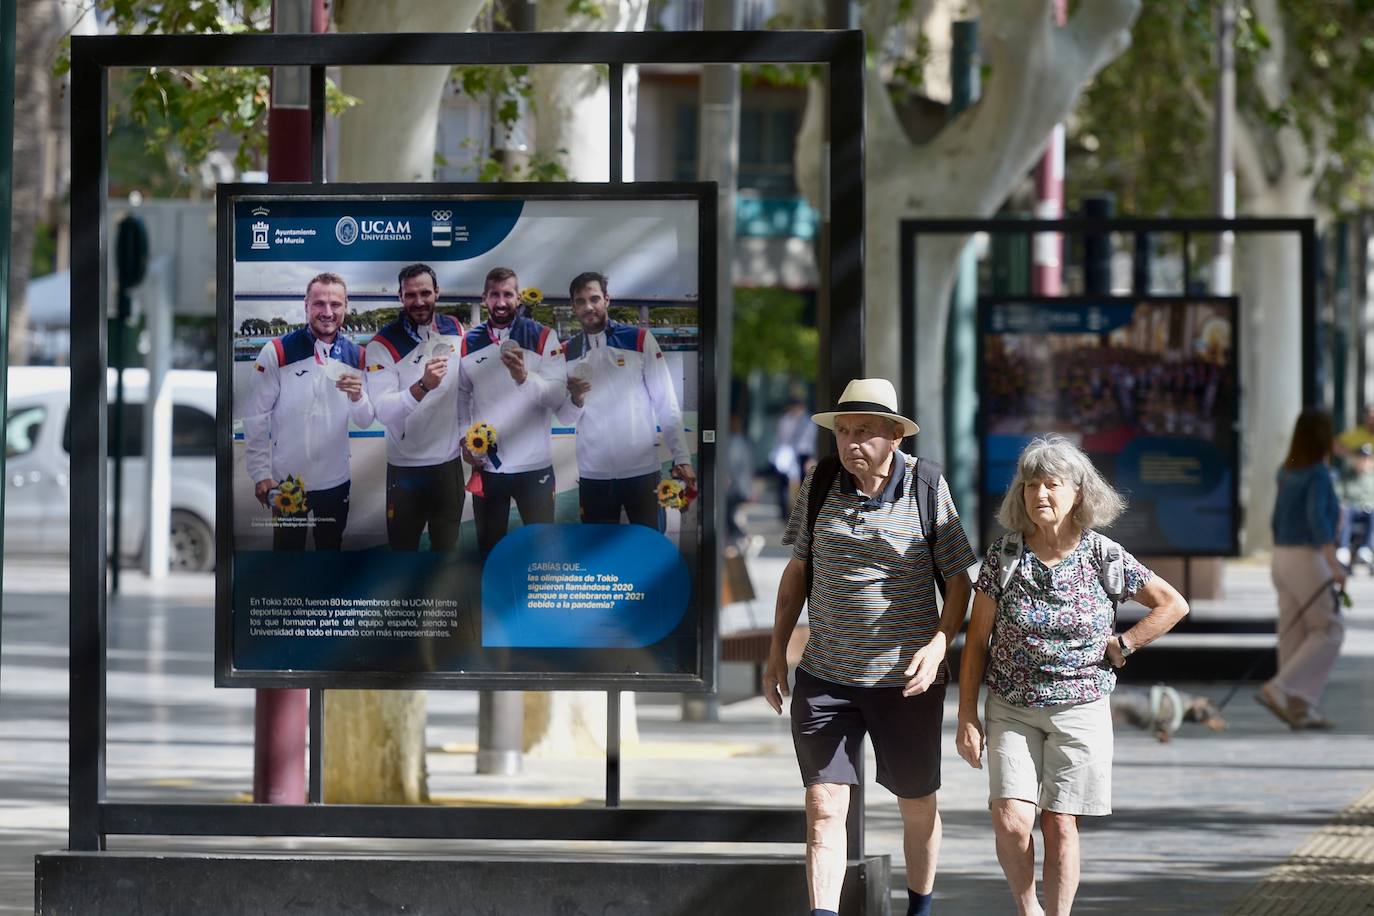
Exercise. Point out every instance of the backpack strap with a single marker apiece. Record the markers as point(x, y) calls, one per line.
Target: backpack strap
point(822, 477)
point(927, 489)
point(1111, 570)
point(1008, 558)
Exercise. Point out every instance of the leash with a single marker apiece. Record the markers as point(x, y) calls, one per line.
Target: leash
point(1338, 596)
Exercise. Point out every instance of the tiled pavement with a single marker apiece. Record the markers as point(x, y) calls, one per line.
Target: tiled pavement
point(1254, 820)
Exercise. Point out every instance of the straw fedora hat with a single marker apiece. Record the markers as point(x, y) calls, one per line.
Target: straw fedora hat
point(874, 396)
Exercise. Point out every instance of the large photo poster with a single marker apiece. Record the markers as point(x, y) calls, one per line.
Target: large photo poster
point(1147, 387)
point(464, 435)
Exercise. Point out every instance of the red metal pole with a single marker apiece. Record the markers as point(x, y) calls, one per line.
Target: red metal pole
point(281, 717)
point(1047, 248)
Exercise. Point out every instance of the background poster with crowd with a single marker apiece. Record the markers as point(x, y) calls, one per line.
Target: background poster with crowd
point(462, 435)
point(1147, 387)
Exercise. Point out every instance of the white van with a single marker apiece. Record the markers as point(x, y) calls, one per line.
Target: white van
point(38, 464)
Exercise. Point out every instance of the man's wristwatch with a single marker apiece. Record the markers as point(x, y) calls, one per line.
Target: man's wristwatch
point(1125, 647)
point(420, 383)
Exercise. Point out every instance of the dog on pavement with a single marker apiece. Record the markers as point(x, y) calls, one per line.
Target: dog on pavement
point(1162, 709)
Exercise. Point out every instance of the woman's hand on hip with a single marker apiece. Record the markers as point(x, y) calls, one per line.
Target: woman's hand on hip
point(1114, 656)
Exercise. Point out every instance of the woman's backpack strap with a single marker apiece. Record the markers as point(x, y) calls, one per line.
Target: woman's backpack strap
point(1111, 571)
point(1111, 563)
point(1009, 557)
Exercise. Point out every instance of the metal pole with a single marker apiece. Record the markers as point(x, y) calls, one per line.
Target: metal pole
point(839, 305)
point(613, 749)
point(281, 717)
point(1342, 331)
point(157, 420)
point(86, 660)
point(616, 92)
point(1047, 277)
point(7, 91)
point(1224, 168)
point(1364, 341)
point(117, 347)
point(316, 735)
point(1142, 263)
point(500, 732)
point(718, 161)
point(1097, 246)
point(961, 335)
point(1311, 390)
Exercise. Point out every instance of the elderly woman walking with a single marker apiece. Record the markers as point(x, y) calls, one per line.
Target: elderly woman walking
point(1305, 521)
point(1042, 599)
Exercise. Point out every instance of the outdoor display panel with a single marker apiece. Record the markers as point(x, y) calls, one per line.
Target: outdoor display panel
point(354, 549)
point(1146, 386)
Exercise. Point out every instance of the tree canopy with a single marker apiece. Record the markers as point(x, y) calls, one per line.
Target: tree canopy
point(1143, 129)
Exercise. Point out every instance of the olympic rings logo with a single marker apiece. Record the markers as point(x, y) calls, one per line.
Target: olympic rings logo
point(442, 216)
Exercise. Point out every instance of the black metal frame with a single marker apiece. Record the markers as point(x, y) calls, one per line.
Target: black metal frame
point(1233, 371)
point(703, 677)
point(1306, 230)
point(92, 817)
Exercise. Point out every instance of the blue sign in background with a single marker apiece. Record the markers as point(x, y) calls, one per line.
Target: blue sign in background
point(623, 586)
point(430, 612)
point(370, 230)
point(1179, 480)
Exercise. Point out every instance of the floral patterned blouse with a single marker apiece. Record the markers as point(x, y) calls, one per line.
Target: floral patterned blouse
point(1049, 638)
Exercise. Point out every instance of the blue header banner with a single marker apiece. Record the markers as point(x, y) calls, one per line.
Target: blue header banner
point(1039, 318)
point(370, 230)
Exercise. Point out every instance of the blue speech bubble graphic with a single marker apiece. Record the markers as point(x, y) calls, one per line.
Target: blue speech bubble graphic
point(583, 586)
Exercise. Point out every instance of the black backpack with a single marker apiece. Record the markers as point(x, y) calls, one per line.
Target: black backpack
point(927, 485)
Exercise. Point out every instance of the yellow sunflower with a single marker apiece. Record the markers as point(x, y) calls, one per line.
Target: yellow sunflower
point(670, 494)
point(532, 295)
point(480, 438)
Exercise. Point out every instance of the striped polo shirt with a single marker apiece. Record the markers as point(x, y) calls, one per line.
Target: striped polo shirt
point(872, 602)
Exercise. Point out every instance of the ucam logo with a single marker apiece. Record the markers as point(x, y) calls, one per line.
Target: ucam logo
point(385, 230)
point(346, 230)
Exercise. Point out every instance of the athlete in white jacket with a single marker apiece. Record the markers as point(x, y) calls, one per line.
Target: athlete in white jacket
point(416, 395)
point(620, 397)
point(511, 376)
point(306, 388)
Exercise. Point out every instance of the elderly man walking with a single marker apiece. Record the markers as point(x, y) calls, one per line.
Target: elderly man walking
point(874, 532)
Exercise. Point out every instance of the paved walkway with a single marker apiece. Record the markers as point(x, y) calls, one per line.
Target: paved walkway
point(1208, 823)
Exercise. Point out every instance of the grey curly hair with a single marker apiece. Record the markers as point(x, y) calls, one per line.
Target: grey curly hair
point(1056, 457)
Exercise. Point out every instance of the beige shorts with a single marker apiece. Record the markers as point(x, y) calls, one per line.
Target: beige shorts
point(1056, 757)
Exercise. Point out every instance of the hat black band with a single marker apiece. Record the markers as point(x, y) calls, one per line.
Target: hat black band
point(862, 407)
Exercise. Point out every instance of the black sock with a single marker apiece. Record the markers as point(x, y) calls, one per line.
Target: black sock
point(819, 912)
point(918, 904)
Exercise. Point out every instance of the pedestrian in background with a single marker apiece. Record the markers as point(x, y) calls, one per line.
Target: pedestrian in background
point(1306, 576)
point(1050, 668)
point(739, 469)
point(1356, 490)
point(794, 447)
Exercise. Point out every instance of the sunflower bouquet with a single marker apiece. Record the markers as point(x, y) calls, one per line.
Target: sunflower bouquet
point(532, 296)
point(480, 440)
point(675, 494)
point(289, 497)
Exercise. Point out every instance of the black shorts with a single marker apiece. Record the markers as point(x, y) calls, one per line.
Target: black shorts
point(828, 725)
